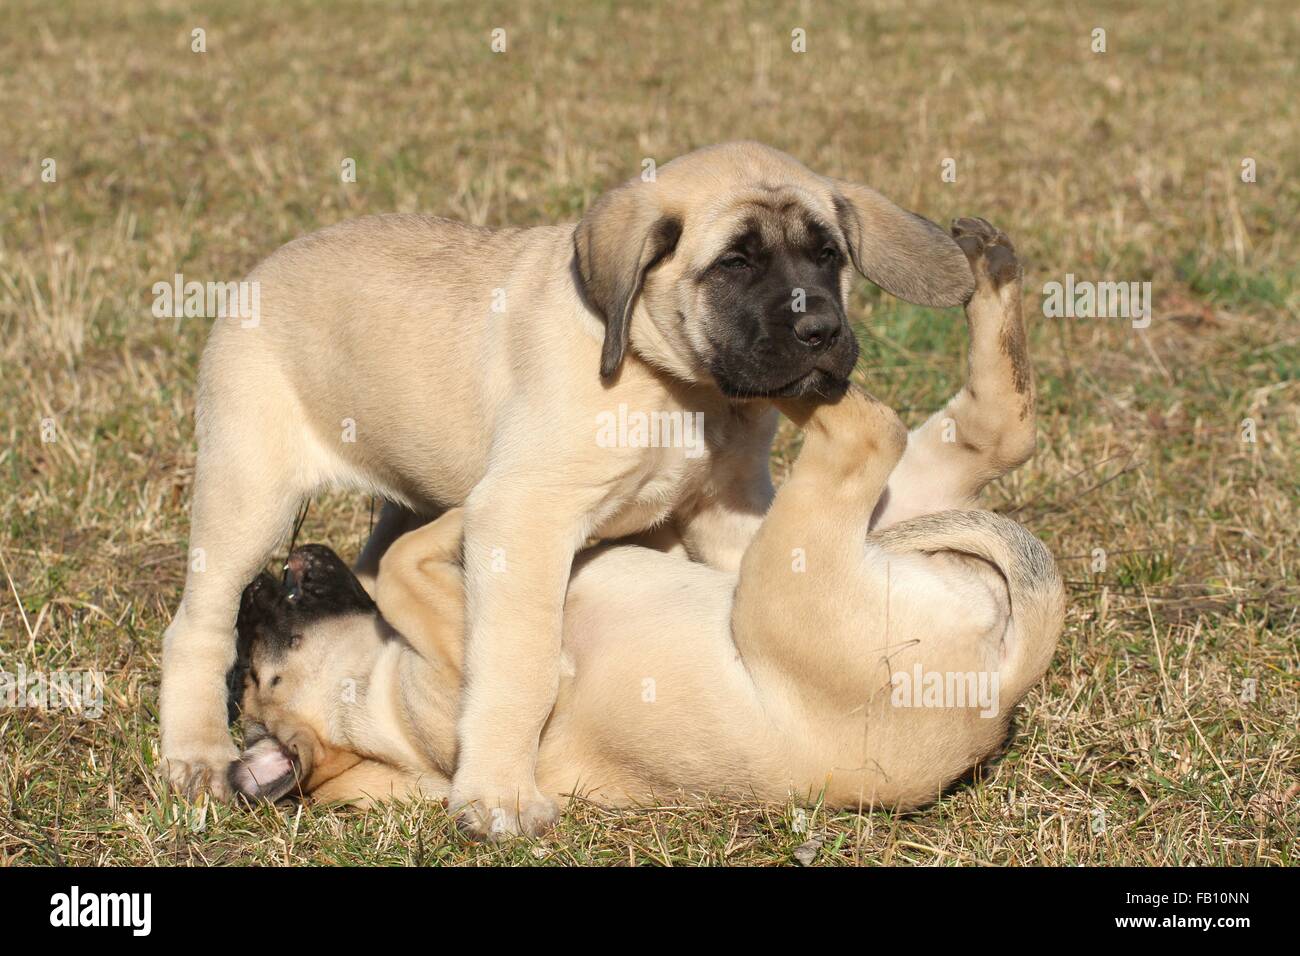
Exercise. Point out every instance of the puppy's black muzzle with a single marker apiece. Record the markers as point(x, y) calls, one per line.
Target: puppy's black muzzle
point(316, 584)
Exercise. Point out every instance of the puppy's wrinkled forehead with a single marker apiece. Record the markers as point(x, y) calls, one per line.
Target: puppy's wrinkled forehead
point(769, 217)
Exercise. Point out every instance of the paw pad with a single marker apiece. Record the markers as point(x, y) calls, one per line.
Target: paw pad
point(989, 250)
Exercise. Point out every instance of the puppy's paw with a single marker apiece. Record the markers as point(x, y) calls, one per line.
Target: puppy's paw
point(500, 815)
point(201, 768)
point(265, 771)
point(841, 435)
point(991, 254)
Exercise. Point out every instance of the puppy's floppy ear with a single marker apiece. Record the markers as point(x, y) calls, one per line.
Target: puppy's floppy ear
point(905, 254)
point(622, 237)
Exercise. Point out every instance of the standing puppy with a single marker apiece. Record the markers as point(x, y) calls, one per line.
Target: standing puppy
point(438, 364)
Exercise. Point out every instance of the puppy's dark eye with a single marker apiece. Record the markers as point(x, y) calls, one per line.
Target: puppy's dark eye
point(275, 681)
point(734, 261)
point(828, 256)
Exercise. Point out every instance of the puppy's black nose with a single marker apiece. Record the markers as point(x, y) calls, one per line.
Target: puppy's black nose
point(817, 330)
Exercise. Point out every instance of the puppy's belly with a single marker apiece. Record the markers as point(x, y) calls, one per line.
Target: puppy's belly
point(632, 518)
point(665, 479)
point(400, 391)
point(658, 700)
point(424, 469)
point(397, 435)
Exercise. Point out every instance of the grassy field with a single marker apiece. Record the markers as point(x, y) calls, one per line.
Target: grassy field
point(1166, 730)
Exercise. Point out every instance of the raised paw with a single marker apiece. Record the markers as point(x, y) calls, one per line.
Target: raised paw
point(840, 436)
point(991, 254)
point(999, 350)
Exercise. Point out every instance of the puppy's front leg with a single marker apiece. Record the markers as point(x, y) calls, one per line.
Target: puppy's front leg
point(518, 550)
point(811, 544)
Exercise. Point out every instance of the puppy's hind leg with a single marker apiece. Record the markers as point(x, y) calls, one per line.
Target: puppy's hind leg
point(987, 429)
point(249, 484)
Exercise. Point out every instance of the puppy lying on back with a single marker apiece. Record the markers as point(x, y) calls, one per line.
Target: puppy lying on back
point(865, 664)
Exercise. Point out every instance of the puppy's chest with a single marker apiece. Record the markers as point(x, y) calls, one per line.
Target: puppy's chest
point(664, 479)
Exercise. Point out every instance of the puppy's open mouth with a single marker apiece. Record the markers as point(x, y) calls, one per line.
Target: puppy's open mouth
point(266, 770)
point(318, 580)
point(316, 583)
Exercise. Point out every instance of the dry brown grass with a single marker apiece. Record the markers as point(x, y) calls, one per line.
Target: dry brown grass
point(1122, 166)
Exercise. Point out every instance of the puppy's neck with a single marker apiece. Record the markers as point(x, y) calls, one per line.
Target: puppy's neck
point(403, 707)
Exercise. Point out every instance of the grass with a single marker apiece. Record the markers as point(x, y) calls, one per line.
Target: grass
point(1144, 745)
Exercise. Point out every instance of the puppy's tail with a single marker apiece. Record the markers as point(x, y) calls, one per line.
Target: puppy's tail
point(1033, 582)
